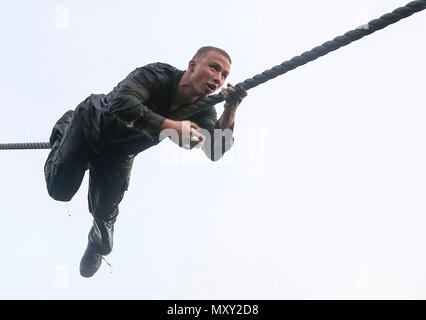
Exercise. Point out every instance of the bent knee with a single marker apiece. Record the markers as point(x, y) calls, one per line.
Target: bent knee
point(60, 189)
point(61, 195)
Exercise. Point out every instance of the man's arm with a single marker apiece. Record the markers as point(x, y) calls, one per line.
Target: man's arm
point(227, 119)
point(131, 117)
point(220, 138)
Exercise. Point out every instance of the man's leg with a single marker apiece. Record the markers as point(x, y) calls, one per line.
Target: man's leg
point(67, 161)
point(109, 179)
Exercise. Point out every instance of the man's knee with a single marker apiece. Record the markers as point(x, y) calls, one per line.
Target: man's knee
point(60, 194)
point(59, 188)
point(62, 181)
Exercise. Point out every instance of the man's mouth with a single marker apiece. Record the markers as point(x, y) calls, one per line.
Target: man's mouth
point(212, 87)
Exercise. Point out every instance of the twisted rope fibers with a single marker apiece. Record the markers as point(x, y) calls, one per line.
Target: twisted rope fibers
point(28, 145)
point(293, 63)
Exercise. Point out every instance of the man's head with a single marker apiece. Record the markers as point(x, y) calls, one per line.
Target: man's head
point(204, 50)
point(208, 70)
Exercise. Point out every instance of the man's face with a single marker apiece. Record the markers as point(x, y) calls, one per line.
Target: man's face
point(208, 72)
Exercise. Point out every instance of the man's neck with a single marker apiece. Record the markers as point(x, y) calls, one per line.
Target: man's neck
point(185, 93)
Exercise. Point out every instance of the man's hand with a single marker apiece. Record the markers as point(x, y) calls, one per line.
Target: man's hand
point(233, 97)
point(183, 133)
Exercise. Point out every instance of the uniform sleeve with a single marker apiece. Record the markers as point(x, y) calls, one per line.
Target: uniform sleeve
point(131, 117)
point(218, 141)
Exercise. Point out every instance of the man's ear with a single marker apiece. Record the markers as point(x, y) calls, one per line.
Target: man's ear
point(191, 65)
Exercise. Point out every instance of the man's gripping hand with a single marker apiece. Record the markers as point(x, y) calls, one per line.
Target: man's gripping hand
point(183, 133)
point(233, 97)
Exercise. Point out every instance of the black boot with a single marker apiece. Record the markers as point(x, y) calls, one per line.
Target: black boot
point(90, 263)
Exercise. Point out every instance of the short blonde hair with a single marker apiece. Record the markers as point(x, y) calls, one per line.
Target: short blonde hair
point(204, 50)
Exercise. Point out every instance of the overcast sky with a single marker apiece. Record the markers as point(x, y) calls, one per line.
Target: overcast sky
point(323, 194)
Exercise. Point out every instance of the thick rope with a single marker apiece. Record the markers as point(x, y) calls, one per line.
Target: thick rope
point(297, 61)
point(30, 145)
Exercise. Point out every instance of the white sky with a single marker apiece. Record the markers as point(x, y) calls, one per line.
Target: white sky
point(322, 195)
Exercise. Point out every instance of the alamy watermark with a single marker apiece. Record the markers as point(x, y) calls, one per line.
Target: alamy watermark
point(243, 148)
point(361, 277)
point(62, 17)
point(62, 278)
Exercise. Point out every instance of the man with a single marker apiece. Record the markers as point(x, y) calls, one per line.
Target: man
point(106, 132)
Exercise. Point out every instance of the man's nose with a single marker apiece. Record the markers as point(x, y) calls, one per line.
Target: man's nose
point(216, 79)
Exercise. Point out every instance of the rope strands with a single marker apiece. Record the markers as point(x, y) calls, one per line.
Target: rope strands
point(29, 145)
point(293, 63)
